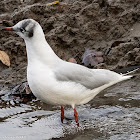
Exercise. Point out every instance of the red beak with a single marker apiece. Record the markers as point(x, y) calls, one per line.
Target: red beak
point(9, 28)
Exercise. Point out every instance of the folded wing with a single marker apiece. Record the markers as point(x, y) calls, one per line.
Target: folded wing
point(89, 78)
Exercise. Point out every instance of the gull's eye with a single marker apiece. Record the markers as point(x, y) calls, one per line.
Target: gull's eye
point(22, 30)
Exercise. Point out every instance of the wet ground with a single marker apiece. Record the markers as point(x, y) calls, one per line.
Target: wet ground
point(114, 114)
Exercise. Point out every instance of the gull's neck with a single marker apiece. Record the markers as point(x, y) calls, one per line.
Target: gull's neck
point(39, 51)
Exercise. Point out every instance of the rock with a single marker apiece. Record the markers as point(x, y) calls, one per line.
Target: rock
point(72, 60)
point(137, 59)
point(92, 58)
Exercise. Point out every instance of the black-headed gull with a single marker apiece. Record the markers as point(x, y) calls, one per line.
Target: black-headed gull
point(55, 81)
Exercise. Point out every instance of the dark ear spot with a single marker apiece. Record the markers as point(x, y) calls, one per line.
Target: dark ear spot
point(30, 34)
point(29, 31)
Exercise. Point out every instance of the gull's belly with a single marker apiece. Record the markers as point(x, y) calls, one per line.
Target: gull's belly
point(45, 87)
point(52, 93)
point(41, 92)
point(41, 82)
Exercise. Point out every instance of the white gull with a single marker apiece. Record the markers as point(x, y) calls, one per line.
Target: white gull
point(55, 81)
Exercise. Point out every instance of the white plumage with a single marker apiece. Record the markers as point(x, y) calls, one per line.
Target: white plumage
point(55, 81)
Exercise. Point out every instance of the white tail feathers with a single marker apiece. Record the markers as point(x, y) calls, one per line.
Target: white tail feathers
point(99, 89)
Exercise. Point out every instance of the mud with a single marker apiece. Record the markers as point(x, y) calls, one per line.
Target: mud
point(70, 28)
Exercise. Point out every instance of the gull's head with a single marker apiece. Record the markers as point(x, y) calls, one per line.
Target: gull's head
point(27, 29)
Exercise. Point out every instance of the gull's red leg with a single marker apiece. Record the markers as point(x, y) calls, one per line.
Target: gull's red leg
point(76, 117)
point(62, 114)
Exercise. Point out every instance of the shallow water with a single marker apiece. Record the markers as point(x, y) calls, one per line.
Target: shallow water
point(114, 114)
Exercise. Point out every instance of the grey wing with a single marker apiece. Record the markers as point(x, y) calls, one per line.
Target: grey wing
point(90, 78)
